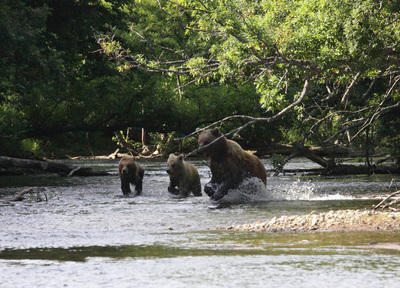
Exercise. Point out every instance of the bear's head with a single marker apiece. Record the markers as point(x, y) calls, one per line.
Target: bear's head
point(127, 166)
point(174, 164)
point(208, 136)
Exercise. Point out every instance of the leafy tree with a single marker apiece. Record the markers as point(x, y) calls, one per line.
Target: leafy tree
point(51, 82)
point(328, 66)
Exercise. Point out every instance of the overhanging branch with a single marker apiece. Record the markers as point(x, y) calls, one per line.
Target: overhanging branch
point(252, 120)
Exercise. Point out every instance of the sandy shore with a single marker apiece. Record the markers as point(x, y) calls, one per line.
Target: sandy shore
point(341, 220)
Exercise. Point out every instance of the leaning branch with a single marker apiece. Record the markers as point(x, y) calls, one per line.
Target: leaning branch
point(380, 110)
point(252, 120)
point(386, 199)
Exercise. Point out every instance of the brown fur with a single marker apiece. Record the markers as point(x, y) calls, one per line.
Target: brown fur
point(130, 172)
point(183, 175)
point(229, 164)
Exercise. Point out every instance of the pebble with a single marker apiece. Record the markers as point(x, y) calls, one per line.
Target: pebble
point(341, 220)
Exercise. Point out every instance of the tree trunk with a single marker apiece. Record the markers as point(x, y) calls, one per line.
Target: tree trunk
point(306, 152)
point(54, 167)
point(331, 168)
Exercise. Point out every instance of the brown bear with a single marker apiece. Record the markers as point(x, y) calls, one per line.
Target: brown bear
point(229, 164)
point(130, 172)
point(183, 175)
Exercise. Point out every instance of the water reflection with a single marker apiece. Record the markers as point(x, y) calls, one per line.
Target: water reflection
point(87, 230)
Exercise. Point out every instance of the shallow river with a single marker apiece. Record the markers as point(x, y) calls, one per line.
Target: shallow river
point(87, 234)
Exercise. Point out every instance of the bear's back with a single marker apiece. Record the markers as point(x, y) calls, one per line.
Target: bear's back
point(246, 163)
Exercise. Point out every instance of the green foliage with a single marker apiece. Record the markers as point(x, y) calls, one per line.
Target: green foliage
point(278, 161)
point(388, 136)
point(179, 65)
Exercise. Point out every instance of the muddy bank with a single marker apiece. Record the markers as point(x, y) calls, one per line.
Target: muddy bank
point(342, 220)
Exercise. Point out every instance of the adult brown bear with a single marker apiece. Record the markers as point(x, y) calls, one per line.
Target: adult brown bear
point(130, 172)
point(229, 164)
point(183, 175)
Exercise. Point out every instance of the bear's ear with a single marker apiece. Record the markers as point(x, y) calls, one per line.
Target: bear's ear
point(216, 132)
point(180, 157)
point(133, 158)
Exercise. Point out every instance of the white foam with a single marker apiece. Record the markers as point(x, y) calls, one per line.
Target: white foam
point(302, 190)
point(250, 190)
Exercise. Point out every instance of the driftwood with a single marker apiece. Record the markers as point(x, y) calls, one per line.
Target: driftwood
point(19, 197)
point(48, 166)
point(329, 167)
point(29, 190)
point(388, 205)
point(113, 155)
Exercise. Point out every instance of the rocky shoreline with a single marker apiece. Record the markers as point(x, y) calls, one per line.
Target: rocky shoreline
point(341, 220)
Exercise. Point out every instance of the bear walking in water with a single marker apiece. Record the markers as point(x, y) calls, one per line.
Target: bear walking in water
point(130, 172)
point(184, 176)
point(229, 164)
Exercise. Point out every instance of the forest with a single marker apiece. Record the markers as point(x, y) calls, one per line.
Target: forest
point(84, 77)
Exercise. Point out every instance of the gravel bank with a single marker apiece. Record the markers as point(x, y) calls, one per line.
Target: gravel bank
point(342, 220)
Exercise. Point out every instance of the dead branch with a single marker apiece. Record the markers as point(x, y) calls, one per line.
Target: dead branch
point(113, 155)
point(379, 110)
point(346, 93)
point(386, 199)
point(73, 171)
point(19, 197)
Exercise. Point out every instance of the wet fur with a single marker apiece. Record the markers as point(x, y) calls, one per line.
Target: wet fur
point(229, 164)
point(183, 175)
point(130, 172)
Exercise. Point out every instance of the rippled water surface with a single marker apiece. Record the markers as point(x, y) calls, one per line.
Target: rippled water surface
point(88, 234)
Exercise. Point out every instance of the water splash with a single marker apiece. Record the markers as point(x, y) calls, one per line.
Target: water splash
point(250, 190)
point(297, 190)
point(302, 191)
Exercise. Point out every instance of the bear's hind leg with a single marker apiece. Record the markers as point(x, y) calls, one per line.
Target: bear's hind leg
point(197, 190)
point(183, 193)
point(139, 187)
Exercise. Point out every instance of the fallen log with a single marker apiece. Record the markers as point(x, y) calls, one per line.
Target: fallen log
point(329, 167)
point(49, 166)
point(19, 197)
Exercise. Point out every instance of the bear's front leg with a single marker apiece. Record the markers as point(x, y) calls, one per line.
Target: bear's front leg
point(126, 189)
point(221, 190)
point(172, 189)
point(209, 189)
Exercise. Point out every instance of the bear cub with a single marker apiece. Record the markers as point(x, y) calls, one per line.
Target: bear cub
point(184, 176)
point(229, 163)
point(130, 172)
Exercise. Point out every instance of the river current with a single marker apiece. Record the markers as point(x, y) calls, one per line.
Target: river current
point(88, 234)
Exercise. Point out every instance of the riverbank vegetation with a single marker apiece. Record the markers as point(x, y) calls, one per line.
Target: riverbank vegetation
point(86, 77)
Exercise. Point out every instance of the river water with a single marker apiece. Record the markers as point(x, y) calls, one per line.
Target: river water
point(87, 234)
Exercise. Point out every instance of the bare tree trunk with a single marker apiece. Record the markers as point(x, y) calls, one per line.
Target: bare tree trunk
point(144, 142)
point(54, 167)
point(367, 156)
point(306, 152)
